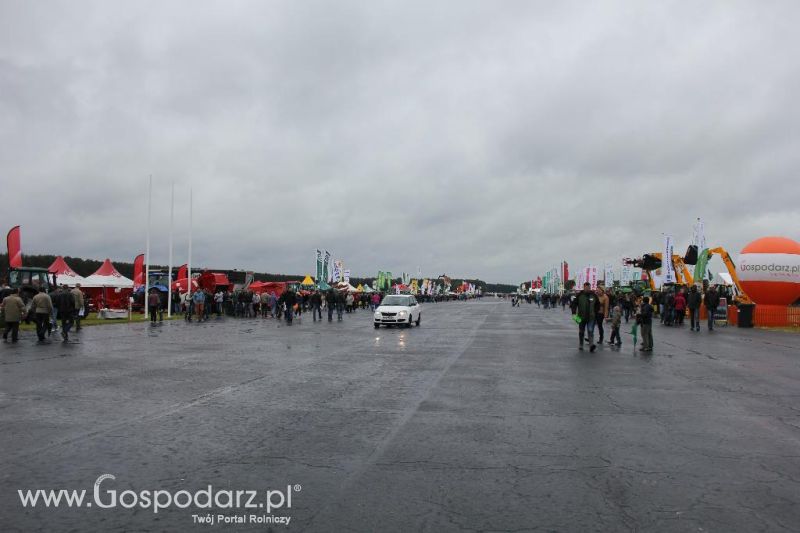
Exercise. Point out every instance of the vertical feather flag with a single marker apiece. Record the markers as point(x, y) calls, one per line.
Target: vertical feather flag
point(14, 242)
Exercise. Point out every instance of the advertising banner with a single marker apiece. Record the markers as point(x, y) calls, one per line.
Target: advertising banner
point(666, 262)
point(593, 277)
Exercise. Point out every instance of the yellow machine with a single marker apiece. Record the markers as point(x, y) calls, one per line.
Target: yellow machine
point(653, 261)
point(703, 259)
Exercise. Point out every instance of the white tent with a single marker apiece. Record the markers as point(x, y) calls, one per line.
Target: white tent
point(64, 274)
point(107, 276)
point(726, 278)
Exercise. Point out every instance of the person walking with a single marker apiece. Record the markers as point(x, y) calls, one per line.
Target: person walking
point(219, 297)
point(340, 303)
point(646, 320)
point(256, 303)
point(330, 301)
point(186, 303)
point(616, 321)
point(208, 305)
point(176, 301)
point(711, 301)
point(42, 306)
point(585, 308)
point(289, 299)
point(602, 297)
point(64, 302)
point(669, 309)
point(153, 303)
point(13, 311)
point(316, 305)
point(80, 311)
point(199, 300)
point(693, 303)
point(376, 301)
point(273, 304)
point(54, 314)
point(680, 308)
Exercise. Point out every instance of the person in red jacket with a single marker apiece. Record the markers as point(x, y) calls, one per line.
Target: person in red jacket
point(680, 308)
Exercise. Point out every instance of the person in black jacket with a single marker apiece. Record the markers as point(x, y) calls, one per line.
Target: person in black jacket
point(586, 306)
point(340, 302)
point(64, 303)
point(316, 305)
point(645, 318)
point(330, 300)
point(711, 301)
point(289, 298)
point(693, 303)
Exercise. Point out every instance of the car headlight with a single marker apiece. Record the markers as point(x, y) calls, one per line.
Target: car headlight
point(377, 314)
point(402, 314)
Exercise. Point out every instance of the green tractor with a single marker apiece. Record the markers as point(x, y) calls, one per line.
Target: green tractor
point(29, 280)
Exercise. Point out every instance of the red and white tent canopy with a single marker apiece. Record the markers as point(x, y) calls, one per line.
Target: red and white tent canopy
point(107, 276)
point(65, 274)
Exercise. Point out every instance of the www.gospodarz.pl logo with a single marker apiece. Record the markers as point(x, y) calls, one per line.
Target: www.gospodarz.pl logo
point(104, 496)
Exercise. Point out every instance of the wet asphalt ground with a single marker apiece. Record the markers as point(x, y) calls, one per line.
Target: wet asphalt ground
point(484, 418)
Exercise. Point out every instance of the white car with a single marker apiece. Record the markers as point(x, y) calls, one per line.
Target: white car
point(398, 309)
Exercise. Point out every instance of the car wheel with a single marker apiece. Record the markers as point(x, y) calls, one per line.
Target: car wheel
point(419, 319)
point(377, 326)
point(409, 322)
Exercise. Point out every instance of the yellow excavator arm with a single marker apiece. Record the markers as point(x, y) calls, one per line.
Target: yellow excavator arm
point(726, 258)
point(680, 267)
point(682, 274)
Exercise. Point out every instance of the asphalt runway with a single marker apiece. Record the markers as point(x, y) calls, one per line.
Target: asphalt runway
point(484, 418)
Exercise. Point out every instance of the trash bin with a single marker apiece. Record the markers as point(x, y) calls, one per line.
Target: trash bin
point(746, 312)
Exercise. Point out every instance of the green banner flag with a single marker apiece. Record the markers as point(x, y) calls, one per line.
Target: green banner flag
point(701, 266)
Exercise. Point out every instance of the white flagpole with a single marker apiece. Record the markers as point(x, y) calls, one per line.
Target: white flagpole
point(169, 276)
point(147, 249)
point(189, 263)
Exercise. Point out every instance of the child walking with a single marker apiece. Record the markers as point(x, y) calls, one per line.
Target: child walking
point(616, 320)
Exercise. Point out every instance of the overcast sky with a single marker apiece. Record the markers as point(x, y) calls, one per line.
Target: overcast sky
point(485, 139)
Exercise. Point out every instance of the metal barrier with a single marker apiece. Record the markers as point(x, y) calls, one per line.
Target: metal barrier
point(776, 316)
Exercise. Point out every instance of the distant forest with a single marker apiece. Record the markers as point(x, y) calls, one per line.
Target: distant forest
point(86, 267)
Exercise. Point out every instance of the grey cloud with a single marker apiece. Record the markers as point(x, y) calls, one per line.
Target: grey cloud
point(489, 139)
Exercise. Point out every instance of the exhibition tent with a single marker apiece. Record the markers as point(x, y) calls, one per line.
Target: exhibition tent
point(107, 288)
point(107, 276)
point(65, 274)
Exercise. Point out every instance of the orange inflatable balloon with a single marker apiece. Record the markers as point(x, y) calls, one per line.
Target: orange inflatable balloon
point(769, 269)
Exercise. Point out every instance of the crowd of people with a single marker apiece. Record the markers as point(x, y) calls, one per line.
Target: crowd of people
point(201, 304)
point(46, 309)
point(592, 308)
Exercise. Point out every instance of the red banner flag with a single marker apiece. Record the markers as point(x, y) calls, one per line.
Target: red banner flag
point(138, 270)
point(183, 271)
point(566, 271)
point(14, 243)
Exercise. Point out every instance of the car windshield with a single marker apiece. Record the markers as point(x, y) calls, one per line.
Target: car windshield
point(395, 300)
